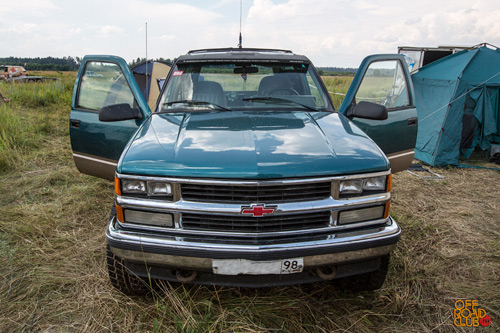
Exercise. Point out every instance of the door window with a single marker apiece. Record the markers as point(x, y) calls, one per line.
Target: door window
point(384, 83)
point(103, 84)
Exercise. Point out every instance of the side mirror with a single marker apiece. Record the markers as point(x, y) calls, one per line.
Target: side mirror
point(368, 110)
point(118, 112)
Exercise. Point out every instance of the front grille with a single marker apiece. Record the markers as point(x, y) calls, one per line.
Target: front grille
point(274, 223)
point(256, 193)
point(259, 240)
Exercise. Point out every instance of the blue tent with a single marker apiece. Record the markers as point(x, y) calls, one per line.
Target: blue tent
point(458, 105)
point(150, 76)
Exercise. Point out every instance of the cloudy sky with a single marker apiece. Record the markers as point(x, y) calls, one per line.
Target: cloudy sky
point(330, 32)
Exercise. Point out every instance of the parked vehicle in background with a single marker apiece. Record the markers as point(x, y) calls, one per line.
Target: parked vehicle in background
point(92, 74)
point(7, 72)
point(19, 74)
point(417, 57)
point(244, 174)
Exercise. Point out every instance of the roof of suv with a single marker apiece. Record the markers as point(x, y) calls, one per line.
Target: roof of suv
point(243, 54)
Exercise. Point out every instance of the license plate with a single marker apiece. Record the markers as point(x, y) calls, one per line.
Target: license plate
point(252, 267)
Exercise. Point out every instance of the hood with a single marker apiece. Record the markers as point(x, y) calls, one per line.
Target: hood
point(255, 145)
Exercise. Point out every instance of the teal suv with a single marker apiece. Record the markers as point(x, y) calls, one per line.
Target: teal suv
point(244, 174)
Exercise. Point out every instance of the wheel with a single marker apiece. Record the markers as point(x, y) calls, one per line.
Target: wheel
point(367, 281)
point(284, 91)
point(121, 278)
point(119, 275)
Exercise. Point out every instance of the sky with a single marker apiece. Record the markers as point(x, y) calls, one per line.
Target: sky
point(336, 33)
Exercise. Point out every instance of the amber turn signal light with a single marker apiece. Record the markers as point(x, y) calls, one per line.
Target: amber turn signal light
point(118, 189)
point(119, 213)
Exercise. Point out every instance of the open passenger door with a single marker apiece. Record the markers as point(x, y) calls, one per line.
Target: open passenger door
point(107, 109)
point(381, 102)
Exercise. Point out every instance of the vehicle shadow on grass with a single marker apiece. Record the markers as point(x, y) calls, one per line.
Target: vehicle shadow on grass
point(318, 306)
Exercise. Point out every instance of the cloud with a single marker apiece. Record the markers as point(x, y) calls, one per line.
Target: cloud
point(31, 8)
point(329, 32)
point(111, 29)
point(20, 29)
point(168, 38)
point(341, 33)
point(170, 13)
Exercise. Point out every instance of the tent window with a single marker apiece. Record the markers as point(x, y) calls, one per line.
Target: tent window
point(431, 56)
point(384, 83)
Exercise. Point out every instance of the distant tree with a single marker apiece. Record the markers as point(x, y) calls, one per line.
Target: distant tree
point(143, 60)
point(49, 63)
point(336, 71)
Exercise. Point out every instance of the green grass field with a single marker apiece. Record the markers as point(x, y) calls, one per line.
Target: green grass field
point(53, 276)
point(337, 86)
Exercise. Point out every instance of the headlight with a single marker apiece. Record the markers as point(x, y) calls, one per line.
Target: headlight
point(358, 186)
point(351, 186)
point(374, 184)
point(133, 186)
point(150, 188)
point(159, 189)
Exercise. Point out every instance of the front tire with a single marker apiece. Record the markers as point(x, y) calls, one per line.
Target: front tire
point(121, 278)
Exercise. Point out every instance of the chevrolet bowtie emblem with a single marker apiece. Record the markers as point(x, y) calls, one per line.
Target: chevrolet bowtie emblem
point(258, 210)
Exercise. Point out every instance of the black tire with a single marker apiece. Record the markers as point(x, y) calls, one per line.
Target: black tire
point(367, 281)
point(120, 276)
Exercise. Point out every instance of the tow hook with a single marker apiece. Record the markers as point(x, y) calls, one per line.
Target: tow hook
point(326, 272)
point(185, 276)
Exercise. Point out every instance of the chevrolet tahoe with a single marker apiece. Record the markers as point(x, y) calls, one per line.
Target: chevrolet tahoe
point(245, 174)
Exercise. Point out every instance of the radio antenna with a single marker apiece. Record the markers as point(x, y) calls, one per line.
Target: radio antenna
point(240, 45)
point(147, 78)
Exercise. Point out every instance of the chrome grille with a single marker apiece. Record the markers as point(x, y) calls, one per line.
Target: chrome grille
point(256, 193)
point(275, 223)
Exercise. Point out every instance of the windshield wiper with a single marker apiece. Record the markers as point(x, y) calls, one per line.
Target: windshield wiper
point(266, 99)
point(195, 102)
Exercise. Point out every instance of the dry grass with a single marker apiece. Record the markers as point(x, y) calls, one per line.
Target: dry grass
point(53, 276)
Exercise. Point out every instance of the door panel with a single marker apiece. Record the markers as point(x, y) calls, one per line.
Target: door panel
point(385, 80)
point(97, 145)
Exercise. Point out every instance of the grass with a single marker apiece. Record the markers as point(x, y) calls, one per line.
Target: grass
point(52, 249)
point(337, 86)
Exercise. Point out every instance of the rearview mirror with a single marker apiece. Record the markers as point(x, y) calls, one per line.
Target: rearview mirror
point(118, 112)
point(246, 70)
point(368, 110)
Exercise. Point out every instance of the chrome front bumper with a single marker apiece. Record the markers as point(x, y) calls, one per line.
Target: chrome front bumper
point(194, 253)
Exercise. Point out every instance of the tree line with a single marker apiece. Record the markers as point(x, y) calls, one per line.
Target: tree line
point(336, 71)
point(63, 64)
point(44, 64)
point(139, 61)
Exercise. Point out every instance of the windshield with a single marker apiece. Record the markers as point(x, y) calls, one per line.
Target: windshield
point(248, 86)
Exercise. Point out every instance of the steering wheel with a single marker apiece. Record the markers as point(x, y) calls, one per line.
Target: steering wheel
point(284, 91)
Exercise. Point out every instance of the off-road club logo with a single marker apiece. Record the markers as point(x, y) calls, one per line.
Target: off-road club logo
point(468, 314)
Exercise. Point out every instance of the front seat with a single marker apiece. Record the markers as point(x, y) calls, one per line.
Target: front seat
point(209, 91)
point(281, 84)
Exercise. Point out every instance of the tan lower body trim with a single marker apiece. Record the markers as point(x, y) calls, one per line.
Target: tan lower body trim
point(95, 166)
point(401, 160)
